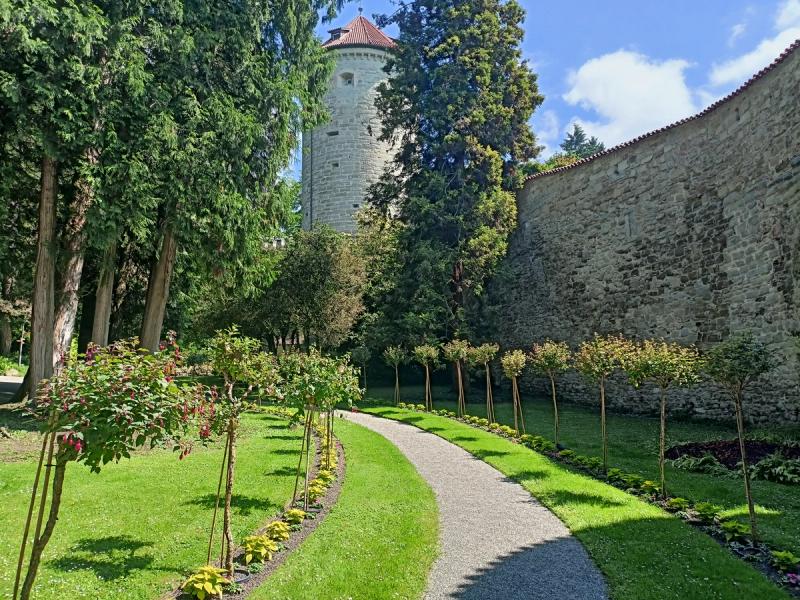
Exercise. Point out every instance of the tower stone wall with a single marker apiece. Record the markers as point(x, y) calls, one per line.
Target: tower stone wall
point(344, 156)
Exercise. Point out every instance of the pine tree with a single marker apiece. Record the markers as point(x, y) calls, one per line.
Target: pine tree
point(577, 143)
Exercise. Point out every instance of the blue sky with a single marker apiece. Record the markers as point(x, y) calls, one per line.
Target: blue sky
point(623, 67)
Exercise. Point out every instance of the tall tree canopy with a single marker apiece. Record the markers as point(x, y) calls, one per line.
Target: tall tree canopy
point(457, 106)
point(577, 143)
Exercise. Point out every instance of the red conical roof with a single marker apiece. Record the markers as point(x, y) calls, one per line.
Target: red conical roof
point(359, 32)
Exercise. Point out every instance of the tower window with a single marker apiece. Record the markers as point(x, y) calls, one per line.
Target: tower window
point(333, 133)
point(336, 164)
point(347, 78)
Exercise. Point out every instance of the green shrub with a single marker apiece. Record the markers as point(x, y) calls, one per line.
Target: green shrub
point(419, 407)
point(258, 548)
point(483, 422)
point(678, 504)
point(650, 487)
point(703, 464)
point(278, 531)
point(778, 468)
point(567, 454)
point(615, 476)
point(506, 430)
point(326, 476)
point(706, 511)
point(735, 531)
point(9, 367)
point(205, 582)
point(294, 516)
point(785, 561)
point(589, 462)
point(632, 480)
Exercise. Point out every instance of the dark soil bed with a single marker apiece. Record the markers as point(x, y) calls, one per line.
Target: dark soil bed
point(727, 451)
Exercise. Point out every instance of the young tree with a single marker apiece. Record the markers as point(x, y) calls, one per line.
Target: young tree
point(481, 356)
point(361, 356)
point(428, 356)
point(551, 359)
point(667, 365)
point(735, 364)
point(578, 144)
point(596, 360)
point(461, 114)
point(456, 352)
point(513, 363)
point(394, 357)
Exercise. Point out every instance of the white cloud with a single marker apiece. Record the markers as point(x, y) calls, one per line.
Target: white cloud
point(546, 126)
point(631, 93)
point(736, 32)
point(788, 15)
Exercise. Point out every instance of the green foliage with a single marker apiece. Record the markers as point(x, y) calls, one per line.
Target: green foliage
point(394, 356)
point(707, 463)
point(117, 399)
point(678, 504)
point(318, 381)
point(259, 548)
point(615, 475)
point(478, 356)
point(513, 363)
point(9, 367)
point(455, 350)
point(239, 360)
point(707, 512)
point(205, 582)
point(538, 443)
point(277, 531)
point(649, 487)
point(777, 467)
point(578, 144)
point(295, 516)
point(599, 357)
point(737, 361)
point(567, 454)
point(550, 358)
point(785, 561)
point(735, 531)
point(427, 355)
point(666, 364)
point(589, 462)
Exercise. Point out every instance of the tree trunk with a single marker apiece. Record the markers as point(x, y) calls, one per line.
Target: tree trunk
point(745, 470)
point(42, 304)
point(603, 424)
point(104, 296)
point(428, 399)
point(40, 543)
point(396, 385)
point(6, 334)
point(226, 523)
point(489, 395)
point(662, 442)
point(462, 406)
point(158, 292)
point(555, 407)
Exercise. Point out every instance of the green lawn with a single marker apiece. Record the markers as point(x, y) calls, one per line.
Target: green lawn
point(644, 552)
point(379, 541)
point(633, 446)
point(134, 530)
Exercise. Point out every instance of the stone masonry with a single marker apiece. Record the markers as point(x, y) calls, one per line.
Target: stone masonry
point(689, 234)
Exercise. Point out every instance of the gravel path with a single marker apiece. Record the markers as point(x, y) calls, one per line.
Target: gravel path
point(496, 540)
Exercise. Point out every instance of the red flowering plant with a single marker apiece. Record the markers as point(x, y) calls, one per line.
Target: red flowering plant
point(99, 409)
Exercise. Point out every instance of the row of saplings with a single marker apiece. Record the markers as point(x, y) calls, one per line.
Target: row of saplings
point(115, 400)
point(734, 365)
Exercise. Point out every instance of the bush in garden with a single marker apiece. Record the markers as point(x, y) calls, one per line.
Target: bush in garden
point(456, 352)
point(778, 468)
point(667, 365)
point(294, 516)
point(206, 582)
point(245, 369)
point(102, 408)
point(596, 360)
point(678, 504)
point(513, 363)
point(394, 357)
point(706, 511)
point(278, 531)
point(428, 357)
point(481, 356)
point(785, 561)
point(551, 359)
point(259, 548)
point(735, 531)
point(734, 364)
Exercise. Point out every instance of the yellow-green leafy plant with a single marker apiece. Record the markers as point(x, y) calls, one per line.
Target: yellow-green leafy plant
point(394, 357)
point(735, 364)
point(455, 351)
point(596, 360)
point(513, 365)
point(258, 548)
point(316, 489)
point(481, 356)
point(785, 561)
point(667, 365)
point(551, 359)
point(206, 582)
point(326, 475)
point(294, 516)
point(428, 356)
point(278, 531)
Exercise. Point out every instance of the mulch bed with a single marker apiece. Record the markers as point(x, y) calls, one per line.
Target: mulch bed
point(727, 451)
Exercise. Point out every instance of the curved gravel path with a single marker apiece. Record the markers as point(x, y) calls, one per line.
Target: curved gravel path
point(496, 540)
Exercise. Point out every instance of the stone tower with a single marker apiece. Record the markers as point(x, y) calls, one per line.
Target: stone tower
point(344, 156)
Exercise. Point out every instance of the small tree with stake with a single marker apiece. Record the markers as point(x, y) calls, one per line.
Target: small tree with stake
point(596, 360)
point(244, 368)
point(734, 364)
point(551, 359)
point(481, 356)
point(394, 357)
point(428, 357)
point(667, 365)
point(513, 365)
point(361, 356)
point(456, 352)
point(97, 410)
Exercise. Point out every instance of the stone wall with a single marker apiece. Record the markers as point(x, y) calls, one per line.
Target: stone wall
point(344, 156)
point(689, 234)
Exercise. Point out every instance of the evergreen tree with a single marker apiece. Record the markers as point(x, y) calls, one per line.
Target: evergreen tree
point(577, 143)
point(457, 105)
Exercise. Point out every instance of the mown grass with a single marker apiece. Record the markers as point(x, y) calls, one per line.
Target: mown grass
point(134, 530)
point(643, 552)
point(379, 540)
point(633, 446)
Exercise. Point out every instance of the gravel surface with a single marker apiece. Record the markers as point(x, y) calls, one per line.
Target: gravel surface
point(496, 541)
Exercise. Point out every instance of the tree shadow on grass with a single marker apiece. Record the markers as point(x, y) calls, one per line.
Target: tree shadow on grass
point(283, 471)
point(287, 451)
point(484, 454)
point(110, 558)
point(560, 497)
point(528, 475)
point(463, 438)
point(270, 436)
point(241, 505)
